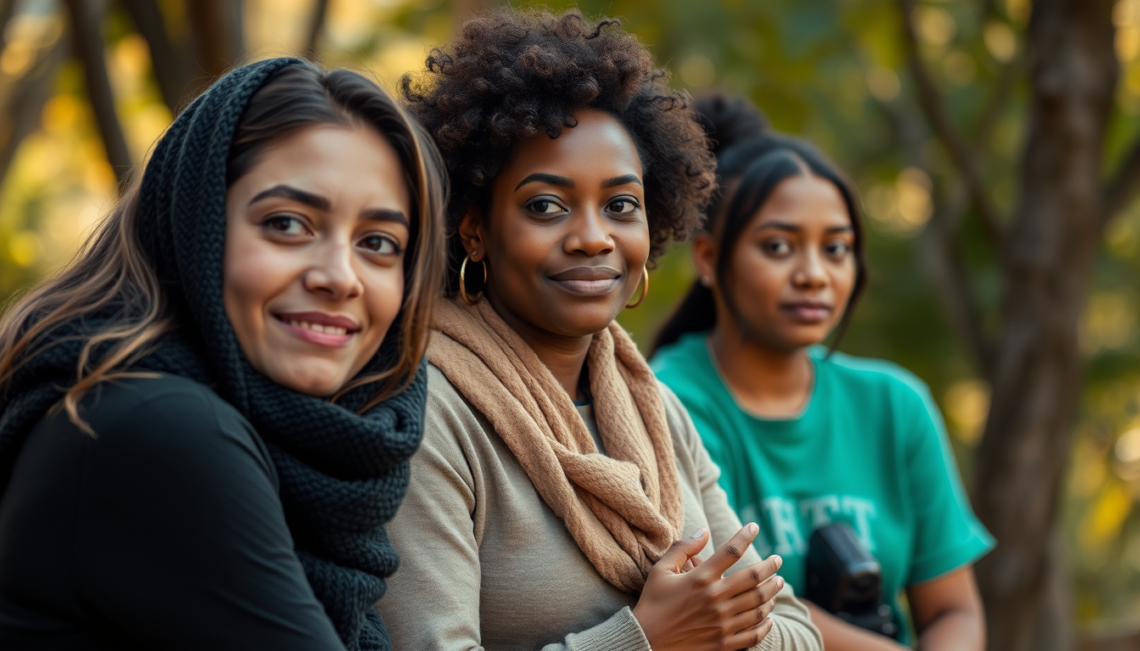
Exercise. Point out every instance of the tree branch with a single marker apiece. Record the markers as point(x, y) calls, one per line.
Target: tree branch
point(27, 101)
point(7, 8)
point(931, 101)
point(316, 26)
point(939, 243)
point(1121, 189)
point(997, 102)
point(945, 266)
point(168, 60)
point(218, 40)
point(86, 21)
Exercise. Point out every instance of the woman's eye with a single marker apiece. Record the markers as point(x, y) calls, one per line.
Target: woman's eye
point(382, 244)
point(777, 247)
point(286, 225)
point(623, 206)
point(545, 207)
point(838, 249)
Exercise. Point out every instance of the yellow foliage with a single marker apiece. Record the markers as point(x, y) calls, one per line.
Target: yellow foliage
point(698, 71)
point(1109, 321)
point(903, 207)
point(1089, 469)
point(131, 57)
point(1127, 43)
point(396, 58)
point(914, 204)
point(1126, 13)
point(1101, 524)
point(883, 83)
point(935, 25)
point(277, 27)
point(23, 248)
point(350, 23)
point(1018, 10)
point(1000, 41)
point(61, 113)
point(17, 59)
point(960, 68)
point(967, 405)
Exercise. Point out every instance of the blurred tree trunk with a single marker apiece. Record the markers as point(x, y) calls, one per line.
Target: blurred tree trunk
point(86, 30)
point(1046, 254)
point(317, 21)
point(23, 105)
point(170, 60)
point(219, 39)
point(183, 70)
point(1048, 257)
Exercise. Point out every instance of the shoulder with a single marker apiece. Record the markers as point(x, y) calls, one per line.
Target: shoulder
point(450, 420)
point(873, 378)
point(686, 369)
point(686, 440)
point(116, 404)
point(445, 405)
point(675, 412)
point(169, 419)
point(679, 360)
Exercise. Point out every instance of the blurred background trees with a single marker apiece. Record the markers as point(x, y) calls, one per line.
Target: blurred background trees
point(994, 143)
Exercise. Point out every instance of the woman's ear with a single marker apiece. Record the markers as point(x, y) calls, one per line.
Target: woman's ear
point(471, 234)
point(704, 258)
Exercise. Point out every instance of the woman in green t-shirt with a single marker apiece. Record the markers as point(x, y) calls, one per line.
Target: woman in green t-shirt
point(806, 437)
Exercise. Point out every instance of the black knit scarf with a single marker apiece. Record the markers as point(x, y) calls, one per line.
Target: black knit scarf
point(342, 475)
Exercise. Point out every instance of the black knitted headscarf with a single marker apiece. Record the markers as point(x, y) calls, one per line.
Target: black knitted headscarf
point(341, 474)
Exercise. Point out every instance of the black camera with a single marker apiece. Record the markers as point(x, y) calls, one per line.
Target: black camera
point(845, 580)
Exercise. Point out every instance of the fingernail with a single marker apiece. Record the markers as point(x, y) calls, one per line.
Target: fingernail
point(779, 583)
point(753, 528)
point(779, 562)
point(698, 533)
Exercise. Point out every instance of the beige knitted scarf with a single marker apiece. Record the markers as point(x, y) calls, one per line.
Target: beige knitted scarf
point(623, 508)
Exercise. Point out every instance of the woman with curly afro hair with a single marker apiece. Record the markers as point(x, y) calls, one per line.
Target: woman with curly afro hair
point(562, 498)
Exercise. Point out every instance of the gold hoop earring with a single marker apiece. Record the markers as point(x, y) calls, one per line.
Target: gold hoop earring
point(463, 281)
point(644, 288)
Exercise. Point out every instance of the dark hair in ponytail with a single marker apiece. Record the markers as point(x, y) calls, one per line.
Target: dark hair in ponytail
point(752, 159)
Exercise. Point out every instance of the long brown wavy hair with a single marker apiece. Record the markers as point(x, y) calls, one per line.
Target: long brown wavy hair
point(111, 269)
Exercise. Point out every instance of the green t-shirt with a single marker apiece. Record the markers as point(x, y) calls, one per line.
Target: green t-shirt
point(869, 449)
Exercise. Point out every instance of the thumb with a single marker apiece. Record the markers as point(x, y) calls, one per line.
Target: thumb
point(682, 550)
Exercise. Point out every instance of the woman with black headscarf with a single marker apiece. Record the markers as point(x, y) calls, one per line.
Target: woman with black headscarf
point(206, 419)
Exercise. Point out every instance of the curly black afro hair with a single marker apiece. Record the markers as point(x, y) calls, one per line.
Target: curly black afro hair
point(510, 75)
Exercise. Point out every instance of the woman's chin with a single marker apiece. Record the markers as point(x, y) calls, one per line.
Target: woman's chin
point(585, 321)
point(314, 379)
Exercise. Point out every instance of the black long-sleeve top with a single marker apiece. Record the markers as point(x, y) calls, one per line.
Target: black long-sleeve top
point(164, 531)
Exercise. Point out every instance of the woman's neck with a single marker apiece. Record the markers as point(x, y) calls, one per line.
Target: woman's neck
point(564, 355)
point(765, 381)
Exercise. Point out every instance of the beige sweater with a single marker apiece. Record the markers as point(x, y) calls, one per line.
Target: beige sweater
point(485, 564)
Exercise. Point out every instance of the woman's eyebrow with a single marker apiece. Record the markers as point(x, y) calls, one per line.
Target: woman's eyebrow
point(552, 179)
point(621, 180)
point(782, 226)
point(295, 194)
point(386, 215)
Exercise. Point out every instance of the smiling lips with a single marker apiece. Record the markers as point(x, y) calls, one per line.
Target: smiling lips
point(319, 328)
point(587, 281)
point(807, 312)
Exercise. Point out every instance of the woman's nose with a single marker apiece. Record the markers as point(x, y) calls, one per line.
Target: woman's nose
point(332, 272)
point(588, 235)
point(809, 271)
